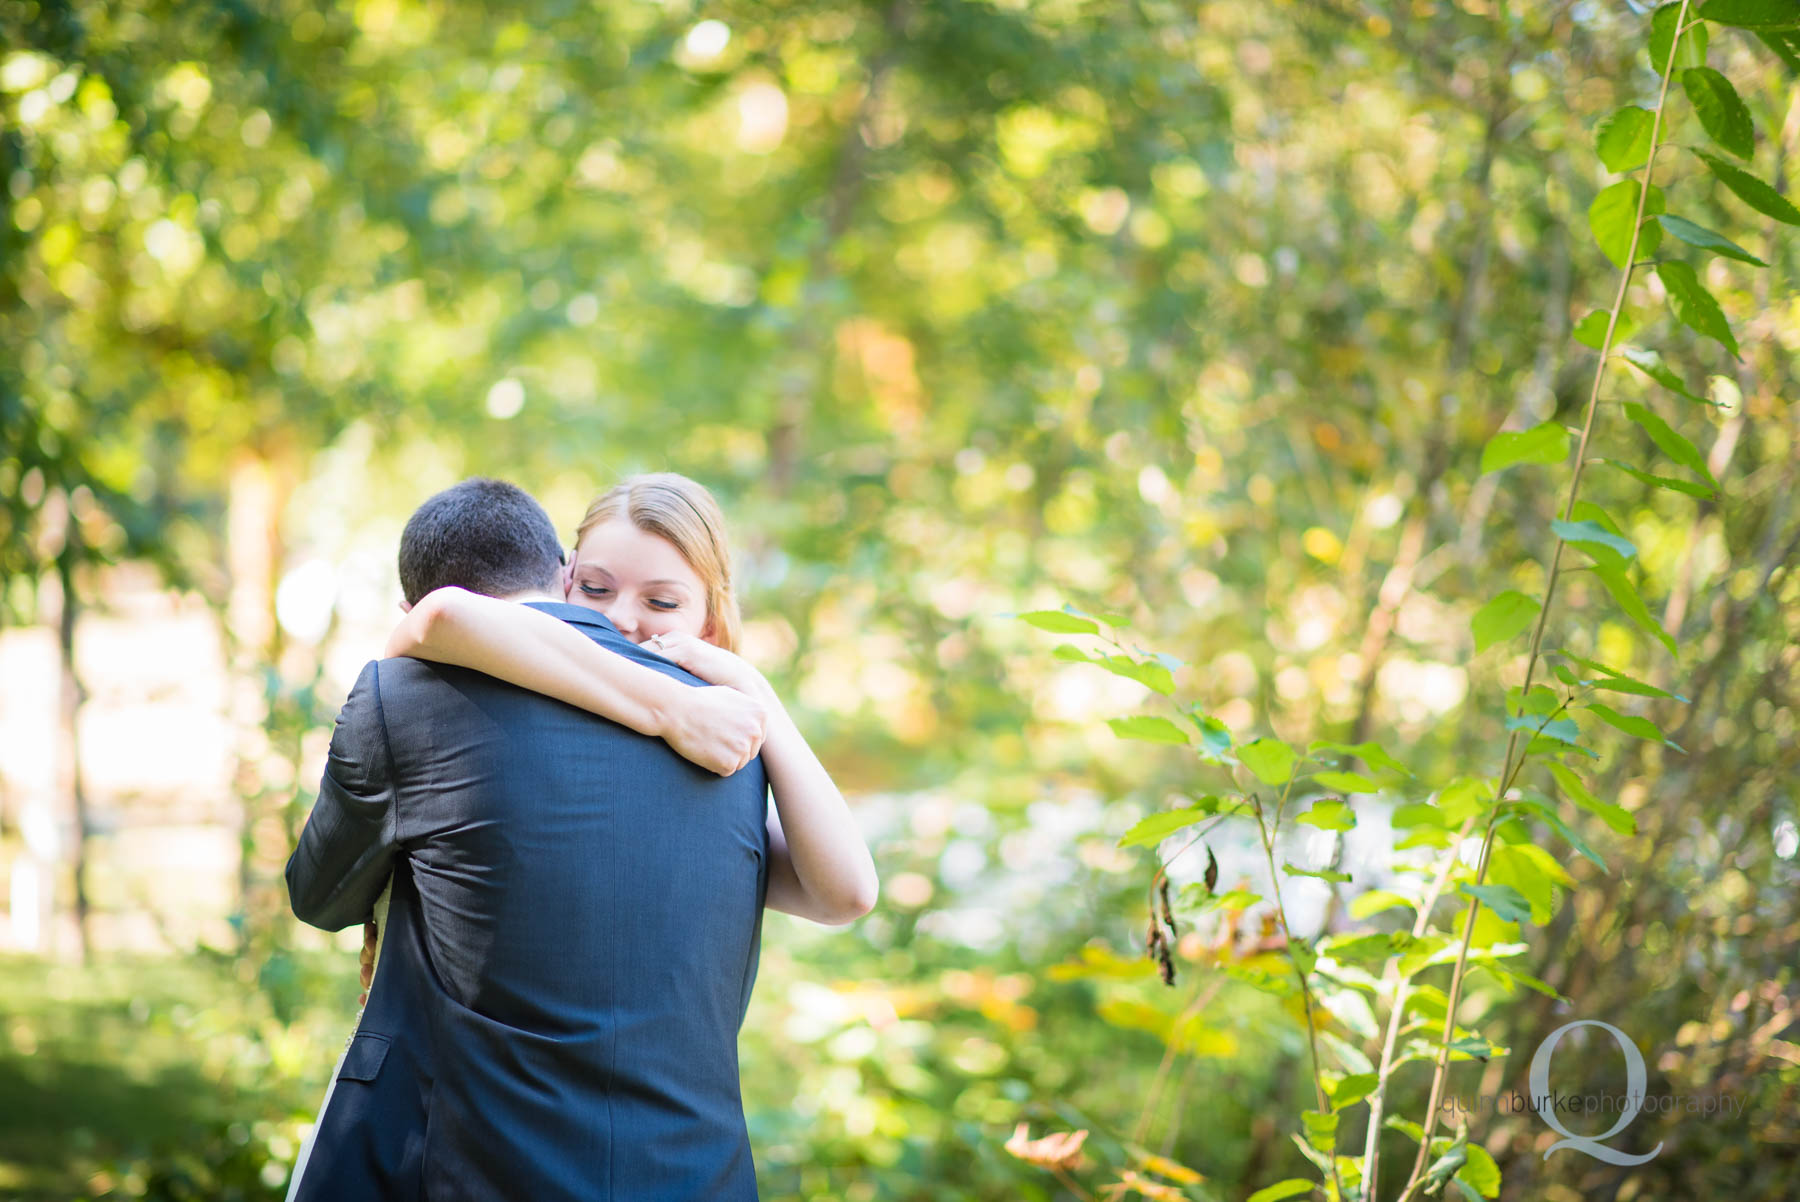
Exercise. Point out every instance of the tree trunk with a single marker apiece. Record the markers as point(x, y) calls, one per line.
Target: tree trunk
point(71, 696)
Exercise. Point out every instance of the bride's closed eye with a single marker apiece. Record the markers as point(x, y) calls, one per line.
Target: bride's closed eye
point(599, 591)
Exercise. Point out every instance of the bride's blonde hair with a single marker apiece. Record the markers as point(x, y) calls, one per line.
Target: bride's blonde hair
point(681, 510)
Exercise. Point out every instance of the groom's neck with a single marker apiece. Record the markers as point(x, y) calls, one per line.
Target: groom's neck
point(531, 595)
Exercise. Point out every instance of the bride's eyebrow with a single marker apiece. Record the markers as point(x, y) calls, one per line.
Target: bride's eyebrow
point(666, 584)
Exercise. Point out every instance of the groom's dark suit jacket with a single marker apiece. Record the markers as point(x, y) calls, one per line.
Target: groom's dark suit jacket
point(570, 947)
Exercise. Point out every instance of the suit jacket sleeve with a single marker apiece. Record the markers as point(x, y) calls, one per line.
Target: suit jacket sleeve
point(345, 856)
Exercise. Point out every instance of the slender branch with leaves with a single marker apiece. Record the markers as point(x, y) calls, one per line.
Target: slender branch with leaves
point(1513, 879)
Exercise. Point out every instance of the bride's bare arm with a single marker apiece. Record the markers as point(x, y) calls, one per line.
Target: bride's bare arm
point(819, 865)
point(720, 729)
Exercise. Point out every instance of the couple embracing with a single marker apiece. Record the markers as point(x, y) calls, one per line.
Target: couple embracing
point(563, 774)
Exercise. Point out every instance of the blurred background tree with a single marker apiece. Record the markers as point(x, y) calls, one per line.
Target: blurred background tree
point(1196, 313)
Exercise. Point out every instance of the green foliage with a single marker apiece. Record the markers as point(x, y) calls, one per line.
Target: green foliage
point(1505, 617)
point(1543, 443)
point(1751, 190)
point(1622, 140)
point(1614, 218)
point(1271, 760)
point(1204, 317)
point(1694, 305)
point(1705, 239)
point(1716, 103)
point(1694, 38)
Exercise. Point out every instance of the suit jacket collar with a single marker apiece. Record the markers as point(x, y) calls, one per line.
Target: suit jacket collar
point(579, 615)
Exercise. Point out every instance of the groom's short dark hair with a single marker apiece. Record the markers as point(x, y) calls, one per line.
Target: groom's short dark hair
point(484, 535)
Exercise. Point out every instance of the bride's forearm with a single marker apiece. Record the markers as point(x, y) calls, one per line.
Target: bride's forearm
point(536, 651)
point(820, 867)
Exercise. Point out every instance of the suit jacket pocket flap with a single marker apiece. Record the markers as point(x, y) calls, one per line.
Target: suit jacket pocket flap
point(363, 1060)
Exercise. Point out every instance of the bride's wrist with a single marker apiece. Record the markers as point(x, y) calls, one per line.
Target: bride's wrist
point(660, 706)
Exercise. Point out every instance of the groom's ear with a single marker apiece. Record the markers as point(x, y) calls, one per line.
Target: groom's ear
point(406, 607)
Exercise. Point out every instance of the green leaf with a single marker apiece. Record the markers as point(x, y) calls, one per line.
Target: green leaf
point(1592, 536)
point(1786, 45)
point(1195, 898)
point(1721, 112)
point(1591, 330)
point(1505, 617)
point(1670, 441)
point(1445, 1167)
point(1692, 51)
point(1694, 306)
point(1464, 797)
point(1346, 782)
point(1614, 214)
point(1372, 947)
point(1353, 1088)
point(1374, 901)
point(1669, 482)
point(1321, 1129)
point(1423, 953)
point(1563, 730)
point(1481, 1174)
point(1505, 973)
point(1652, 365)
point(1319, 1160)
point(1147, 728)
point(1323, 874)
point(1615, 816)
point(1406, 1127)
point(1555, 823)
point(1419, 813)
point(1705, 239)
point(1293, 1187)
point(1503, 900)
point(1215, 737)
point(1058, 622)
point(1542, 700)
point(1149, 673)
point(1753, 14)
point(1626, 595)
point(1148, 832)
point(1545, 443)
point(1330, 815)
point(1636, 688)
point(1532, 871)
point(1270, 759)
point(1594, 664)
point(1623, 139)
point(1369, 753)
point(1750, 190)
point(1613, 679)
point(1070, 653)
point(1631, 724)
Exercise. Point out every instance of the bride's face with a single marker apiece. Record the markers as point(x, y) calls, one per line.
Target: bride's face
point(638, 580)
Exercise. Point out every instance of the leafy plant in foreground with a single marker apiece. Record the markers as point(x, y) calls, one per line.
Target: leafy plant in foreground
point(1540, 776)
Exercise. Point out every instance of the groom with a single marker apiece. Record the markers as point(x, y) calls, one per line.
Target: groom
point(574, 925)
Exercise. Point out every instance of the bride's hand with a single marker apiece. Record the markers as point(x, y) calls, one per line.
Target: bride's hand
point(720, 729)
point(714, 665)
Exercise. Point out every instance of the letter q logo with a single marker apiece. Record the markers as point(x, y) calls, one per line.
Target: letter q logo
point(1634, 1092)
